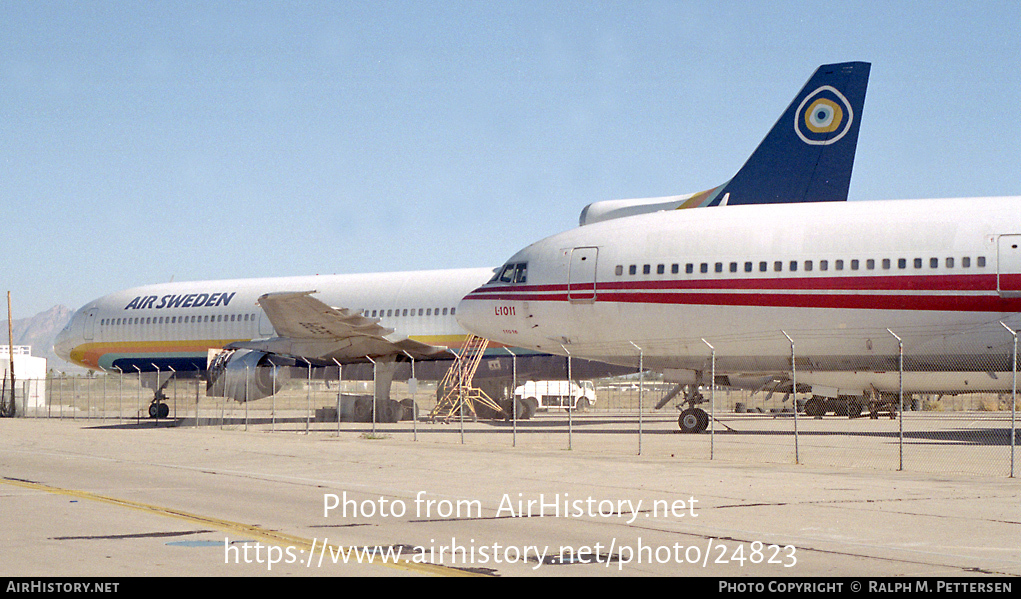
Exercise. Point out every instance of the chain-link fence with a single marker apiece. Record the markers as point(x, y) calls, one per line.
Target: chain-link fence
point(881, 406)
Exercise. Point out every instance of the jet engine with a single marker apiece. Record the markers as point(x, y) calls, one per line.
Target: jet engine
point(243, 375)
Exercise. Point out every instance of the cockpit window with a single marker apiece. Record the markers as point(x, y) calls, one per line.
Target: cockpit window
point(521, 273)
point(512, 273)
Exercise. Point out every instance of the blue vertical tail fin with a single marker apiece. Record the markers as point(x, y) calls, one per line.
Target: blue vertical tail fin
point(808, 155)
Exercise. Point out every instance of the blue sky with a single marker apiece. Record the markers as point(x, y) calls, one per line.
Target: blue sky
point(141, 141)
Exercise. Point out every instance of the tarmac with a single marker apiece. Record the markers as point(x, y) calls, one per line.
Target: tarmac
point(94, 498)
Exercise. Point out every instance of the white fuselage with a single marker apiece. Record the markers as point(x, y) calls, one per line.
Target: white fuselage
point(835, 282)
point(174, 325)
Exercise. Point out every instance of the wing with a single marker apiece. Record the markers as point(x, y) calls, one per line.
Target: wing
point(308, 328)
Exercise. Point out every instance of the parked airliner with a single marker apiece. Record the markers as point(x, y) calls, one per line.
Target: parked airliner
point(841, 281)
point(174, 329)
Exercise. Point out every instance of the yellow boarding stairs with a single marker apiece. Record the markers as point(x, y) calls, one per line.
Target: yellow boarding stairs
point(457, 384)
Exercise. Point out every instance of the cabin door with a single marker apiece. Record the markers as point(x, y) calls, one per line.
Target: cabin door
point(1008, 266)
point(581, 281)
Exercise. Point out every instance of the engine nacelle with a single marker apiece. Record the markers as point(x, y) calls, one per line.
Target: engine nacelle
point(611, 209)
point(242, 375)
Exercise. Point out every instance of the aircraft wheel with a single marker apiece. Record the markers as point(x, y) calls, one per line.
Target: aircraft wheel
point(531, 406)
point(410, 409)
point(393, 412)
point(159, 410)
point(693, 420)
point(363, 409)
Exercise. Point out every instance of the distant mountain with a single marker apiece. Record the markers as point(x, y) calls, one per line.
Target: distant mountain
point(39, 331)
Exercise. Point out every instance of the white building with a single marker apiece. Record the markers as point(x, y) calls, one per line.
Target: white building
point(29, 377)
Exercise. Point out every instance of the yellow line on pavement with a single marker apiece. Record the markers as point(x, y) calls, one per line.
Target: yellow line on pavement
point(237, 528)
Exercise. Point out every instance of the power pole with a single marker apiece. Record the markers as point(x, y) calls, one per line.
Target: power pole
point(4, 409)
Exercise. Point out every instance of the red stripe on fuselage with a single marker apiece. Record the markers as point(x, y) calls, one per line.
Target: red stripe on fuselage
point(967, 293)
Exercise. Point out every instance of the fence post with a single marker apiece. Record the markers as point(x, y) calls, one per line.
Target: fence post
point(273, 407)
point(373, 394)
point(248, 376)
point(308, 397)
point(641, 391)
point(413, 391)
point(173, 378)
point(340, 384)
point(138, 396)
point(900, 394)
point(794, 398)
point(513, 397)
point(1013, 397)
point(712, 400)
point(570, 397)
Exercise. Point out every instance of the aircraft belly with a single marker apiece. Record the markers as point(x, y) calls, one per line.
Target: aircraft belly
point(751, 338)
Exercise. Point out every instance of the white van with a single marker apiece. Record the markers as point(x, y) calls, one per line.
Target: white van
point(568, 395)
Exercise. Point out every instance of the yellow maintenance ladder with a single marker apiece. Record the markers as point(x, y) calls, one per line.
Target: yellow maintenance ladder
point(457, 384)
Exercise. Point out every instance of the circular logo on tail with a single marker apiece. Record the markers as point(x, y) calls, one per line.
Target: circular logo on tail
point(823, 117)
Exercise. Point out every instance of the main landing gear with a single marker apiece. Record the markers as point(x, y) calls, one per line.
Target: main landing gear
point(158, 408)
point(693, 419)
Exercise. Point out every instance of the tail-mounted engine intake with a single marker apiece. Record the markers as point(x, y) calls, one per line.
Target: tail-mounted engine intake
point(242, 375)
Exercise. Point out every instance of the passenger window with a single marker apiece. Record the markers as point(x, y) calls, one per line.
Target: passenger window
point(704, 268)
point(886, 264)
point(808, 265)
point(838, 264)
point(794, 265)
point(933, 262)
point(428, 311)
point(950, 262)
point(675, 268)
point(733, 267)
point(762, 267)
point(748, 267)
point(870, 264)
point(824, 265)
point(632, 270)
point(619, 270)
point(902, 263)
point(965, 262)
point(777, 266)
point(453, 311)
point(918, 263)
point(660, 269)
point(689, 268)
point(719, 267)
point(854, 265)
point(444, 311)
point(981, 262)
point(646, 269)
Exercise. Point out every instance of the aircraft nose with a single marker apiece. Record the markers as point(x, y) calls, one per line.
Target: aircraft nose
point(470, 315)
point(65, 342)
